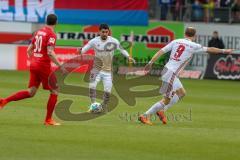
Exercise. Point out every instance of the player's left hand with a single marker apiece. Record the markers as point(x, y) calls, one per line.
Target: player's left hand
point(79, 50)
point(228, 51)
point(130, 59)
point(148, 67)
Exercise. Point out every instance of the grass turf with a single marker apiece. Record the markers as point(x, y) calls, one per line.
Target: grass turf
point(212, 131)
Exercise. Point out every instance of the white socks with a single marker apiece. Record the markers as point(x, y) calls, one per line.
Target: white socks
point(161, 106)
point(156, 107)
point(173, 101)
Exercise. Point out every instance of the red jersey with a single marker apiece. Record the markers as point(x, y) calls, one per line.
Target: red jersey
point(42, 39)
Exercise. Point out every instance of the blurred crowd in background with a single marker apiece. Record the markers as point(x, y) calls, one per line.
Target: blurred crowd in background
point(227, 11)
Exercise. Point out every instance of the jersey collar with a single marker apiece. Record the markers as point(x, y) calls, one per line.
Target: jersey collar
point(188, 39)
point(103, 40)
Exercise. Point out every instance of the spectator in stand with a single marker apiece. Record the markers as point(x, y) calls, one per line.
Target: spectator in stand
point(178, 10)
point(226, 3)
point(216, 41)
point(197, 10)
point(209, 6)
point(187, 15)
point(236, 11)
point(164, 5)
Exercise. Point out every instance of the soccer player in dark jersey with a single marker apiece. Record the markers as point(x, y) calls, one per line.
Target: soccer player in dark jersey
point(40, 53)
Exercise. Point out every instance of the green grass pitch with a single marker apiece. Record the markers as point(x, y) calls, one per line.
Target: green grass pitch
point(211, 131)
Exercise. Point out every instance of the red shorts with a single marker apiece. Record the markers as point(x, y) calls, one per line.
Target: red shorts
point(38, 77)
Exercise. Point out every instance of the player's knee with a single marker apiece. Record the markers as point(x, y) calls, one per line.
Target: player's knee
point(32, 91)
point(108, 89)
point(54, 92)
point(166, 100)
point(92, 85)
point(32, 94)
point(181, 93)
point(184, 93)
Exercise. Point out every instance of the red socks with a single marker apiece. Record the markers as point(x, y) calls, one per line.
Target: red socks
point(25, 94)
point(18, 96)
point(51, 105)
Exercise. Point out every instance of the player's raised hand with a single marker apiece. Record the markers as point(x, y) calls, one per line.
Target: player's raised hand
point(148, 67)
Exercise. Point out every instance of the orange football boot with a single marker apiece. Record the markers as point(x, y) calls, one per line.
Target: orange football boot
point(3, 102)
point(144, 119)
point(162, 116)
point(51, 122)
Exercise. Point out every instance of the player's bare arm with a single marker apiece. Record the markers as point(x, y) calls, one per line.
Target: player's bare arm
point(154, 58)
point(53, 57)
point(125, 54)
point(30, 50)
point(214, 50)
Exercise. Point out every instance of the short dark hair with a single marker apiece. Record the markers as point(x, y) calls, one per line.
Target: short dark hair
point(51, 19)
point(103, 26)
point(190, 31)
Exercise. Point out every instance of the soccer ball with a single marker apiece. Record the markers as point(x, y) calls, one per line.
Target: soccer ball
point(95, 108)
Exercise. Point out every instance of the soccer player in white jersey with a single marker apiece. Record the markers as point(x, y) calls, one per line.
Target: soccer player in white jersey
point(172, 89)
point(104, 47)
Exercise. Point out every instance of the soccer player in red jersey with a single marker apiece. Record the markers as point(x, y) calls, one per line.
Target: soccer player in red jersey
point(41, 53)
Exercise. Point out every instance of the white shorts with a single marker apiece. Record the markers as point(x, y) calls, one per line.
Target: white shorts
point(170, 83)
point(97, 76)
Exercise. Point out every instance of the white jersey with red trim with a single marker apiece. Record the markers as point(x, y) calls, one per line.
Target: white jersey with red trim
point(104, 51)
point(181, 53)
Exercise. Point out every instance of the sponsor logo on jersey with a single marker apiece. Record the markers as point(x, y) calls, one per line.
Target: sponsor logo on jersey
point(52, 40)
point(38, 55)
